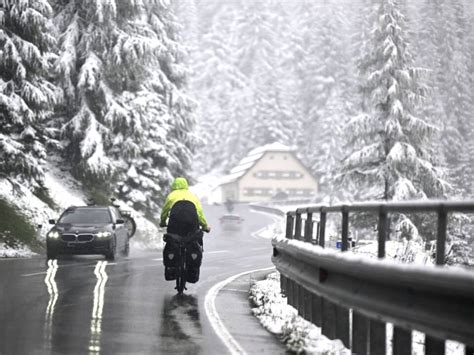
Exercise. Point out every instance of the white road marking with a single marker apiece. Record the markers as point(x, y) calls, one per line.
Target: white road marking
point(159, 259)
point(35, 274)
point(234, 290)
point(217, 252)
point(213, 316)
point(64, 266)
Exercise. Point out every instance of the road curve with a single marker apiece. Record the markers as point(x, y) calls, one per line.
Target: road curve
point(85, 305)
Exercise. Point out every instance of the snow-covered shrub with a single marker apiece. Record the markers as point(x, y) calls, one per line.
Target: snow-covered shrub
point(299, 335)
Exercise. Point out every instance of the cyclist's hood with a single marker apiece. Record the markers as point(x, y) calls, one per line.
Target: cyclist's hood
point(179, 183)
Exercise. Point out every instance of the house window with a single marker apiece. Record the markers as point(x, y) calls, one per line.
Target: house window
point(268, 174)
point(257, 192)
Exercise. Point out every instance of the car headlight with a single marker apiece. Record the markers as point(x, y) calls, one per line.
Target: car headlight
point(53, 235)
point(103, 234)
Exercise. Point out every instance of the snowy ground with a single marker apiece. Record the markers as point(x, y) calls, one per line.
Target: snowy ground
point(301, 336)
point(19, 252)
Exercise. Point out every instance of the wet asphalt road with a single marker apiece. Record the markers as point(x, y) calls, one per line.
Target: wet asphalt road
point(84, 305)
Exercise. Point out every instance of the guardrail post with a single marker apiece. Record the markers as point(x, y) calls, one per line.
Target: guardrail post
point(301, 299)
point(290, 221)
point(283, 283)
point(378, 336)
point(296, 298)
point(316, 241)
point(289, 291)
point(298, 226)
point(441, 239)
point(329, 319)
point(316, 309)
point(401, 341)
point(434, 346)
point(308, 305)
point(360, 333)
point(322, 228)
point(308, 230)
point(345, 229)
point(342, 325)
point(382, 231)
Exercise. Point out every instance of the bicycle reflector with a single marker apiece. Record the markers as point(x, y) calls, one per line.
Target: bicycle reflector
point(194, 256)
point(170, 256)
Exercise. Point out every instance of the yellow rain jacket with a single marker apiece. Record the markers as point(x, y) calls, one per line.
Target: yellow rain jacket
point(179, 192)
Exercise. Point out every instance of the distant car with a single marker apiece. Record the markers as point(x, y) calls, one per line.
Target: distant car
point(88, 230)
point(231, 222)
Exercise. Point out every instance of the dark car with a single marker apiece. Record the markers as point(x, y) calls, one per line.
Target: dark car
point(88, 230)
point(231, 222)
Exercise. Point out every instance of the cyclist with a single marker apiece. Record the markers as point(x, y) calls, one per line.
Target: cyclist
point(180, 191)
point(185, 216)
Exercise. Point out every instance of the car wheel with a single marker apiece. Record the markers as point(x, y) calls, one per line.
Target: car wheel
point(110, 255)
point(126, 249)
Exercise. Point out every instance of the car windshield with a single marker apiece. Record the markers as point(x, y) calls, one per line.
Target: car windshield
point(86, 216)
point(228, 217)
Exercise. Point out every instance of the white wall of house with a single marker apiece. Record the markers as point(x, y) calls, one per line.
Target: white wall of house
point(276, 171)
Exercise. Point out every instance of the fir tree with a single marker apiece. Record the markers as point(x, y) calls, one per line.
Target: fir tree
point(127, 119)
point(27, 95)
point(391, 155)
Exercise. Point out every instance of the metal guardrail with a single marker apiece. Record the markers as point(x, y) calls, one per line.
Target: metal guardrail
point(267, 209)
point(339, 292)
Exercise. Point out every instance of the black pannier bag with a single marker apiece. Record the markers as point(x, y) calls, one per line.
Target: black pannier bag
point(170, 254)
point(193, 255)
point(192, 274)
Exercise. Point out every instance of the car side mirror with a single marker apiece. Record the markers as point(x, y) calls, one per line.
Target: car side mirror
point(51, 221)
point(120, 221)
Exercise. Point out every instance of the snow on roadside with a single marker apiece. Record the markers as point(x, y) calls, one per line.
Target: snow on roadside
point(299, 335)
point(62, 189)
point(35, 211)
point(18, 252)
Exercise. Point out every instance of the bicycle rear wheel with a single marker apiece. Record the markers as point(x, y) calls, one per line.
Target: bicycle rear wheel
point(181, 280)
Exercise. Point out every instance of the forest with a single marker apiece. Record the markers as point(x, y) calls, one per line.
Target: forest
point(375, 95)
point(371, 93)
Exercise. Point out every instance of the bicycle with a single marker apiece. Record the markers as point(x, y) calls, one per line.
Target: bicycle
point(184, 256)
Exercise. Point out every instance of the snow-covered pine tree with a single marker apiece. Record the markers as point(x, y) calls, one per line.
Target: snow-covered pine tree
point(459, 105)
point(444, 50)
point(391, 157)
point(174, 86)
point(127, 118)
point(261, 32)
point(219, 87)
point(27, 96)
point(325, 73)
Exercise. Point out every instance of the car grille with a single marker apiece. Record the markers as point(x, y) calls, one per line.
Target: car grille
point(78, 238)
point(69, 237)
point(85, 237)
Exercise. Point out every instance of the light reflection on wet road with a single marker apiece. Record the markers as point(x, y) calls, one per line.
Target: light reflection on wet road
point(84, 305)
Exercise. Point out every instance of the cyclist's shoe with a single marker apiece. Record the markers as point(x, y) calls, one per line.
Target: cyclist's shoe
point(170, 273)
point(192, 274)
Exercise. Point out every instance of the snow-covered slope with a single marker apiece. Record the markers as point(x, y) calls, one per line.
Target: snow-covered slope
point(64, 191)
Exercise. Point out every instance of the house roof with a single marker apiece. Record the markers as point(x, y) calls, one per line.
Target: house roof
point(252, 157)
